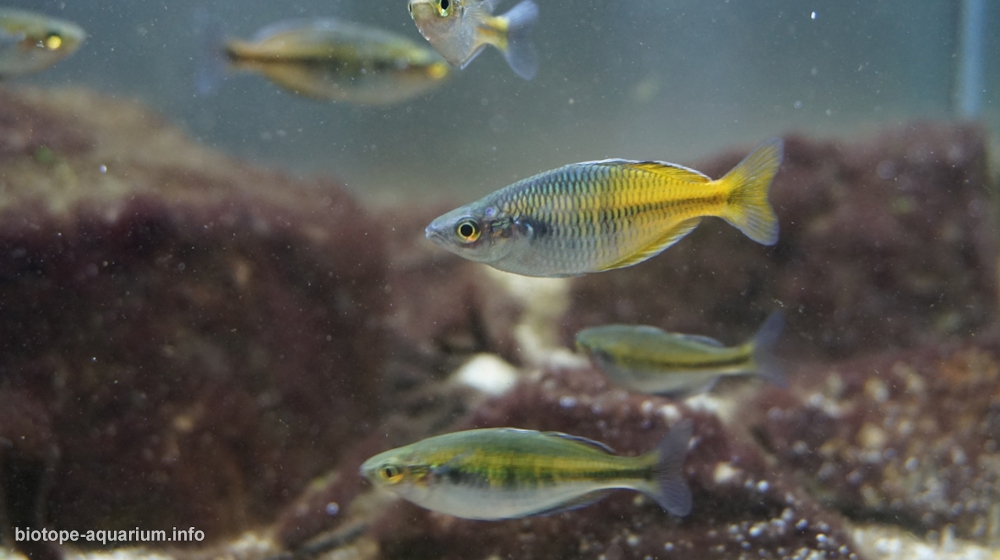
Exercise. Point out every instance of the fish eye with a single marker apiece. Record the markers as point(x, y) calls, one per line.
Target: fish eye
point(53, 41)
point(390, 473)
point(468, 230)
point(445, 5)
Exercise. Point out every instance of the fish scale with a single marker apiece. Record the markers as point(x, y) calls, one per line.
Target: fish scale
point(597, 206)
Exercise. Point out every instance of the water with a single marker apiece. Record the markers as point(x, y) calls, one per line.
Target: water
point(202, 334)
point(660, 80)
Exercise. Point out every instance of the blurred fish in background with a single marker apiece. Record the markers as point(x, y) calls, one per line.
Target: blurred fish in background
point(460, 29)
point(324, 59)
point(649, 360)
point(31, 42)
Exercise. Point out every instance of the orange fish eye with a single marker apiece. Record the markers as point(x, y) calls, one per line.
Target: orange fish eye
point(468, 230)
point(391, 474)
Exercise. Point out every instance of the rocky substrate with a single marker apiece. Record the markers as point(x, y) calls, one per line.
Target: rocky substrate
point(190, 340)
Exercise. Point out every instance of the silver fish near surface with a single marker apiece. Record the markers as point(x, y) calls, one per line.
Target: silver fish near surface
point(505, 473)
point(650, 360)
point(460, 29)
point(31, 42)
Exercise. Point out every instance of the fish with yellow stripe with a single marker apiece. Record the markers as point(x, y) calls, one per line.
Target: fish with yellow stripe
point(505, 473)
point(649, 360)
point(324, 59)
point(602, 215)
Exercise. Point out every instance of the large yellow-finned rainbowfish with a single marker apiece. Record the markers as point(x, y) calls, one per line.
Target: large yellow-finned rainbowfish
point(460, 29)
point(31, 42)
point(504, 473)
point(650, 360)
point(602, 215)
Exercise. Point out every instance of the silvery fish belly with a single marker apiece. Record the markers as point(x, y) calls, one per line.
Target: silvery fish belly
point(596, 216)
point(503, 473)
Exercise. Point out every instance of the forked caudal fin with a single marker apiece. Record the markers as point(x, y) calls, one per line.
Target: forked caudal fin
point(768, 366)
point(520, 52)
point(669, 488)
point(211, 69)
point(747, 207)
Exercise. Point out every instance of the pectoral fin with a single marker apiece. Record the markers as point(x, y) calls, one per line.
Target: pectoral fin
point(699, 339)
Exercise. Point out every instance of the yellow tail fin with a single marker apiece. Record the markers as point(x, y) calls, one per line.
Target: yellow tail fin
point(746, 206)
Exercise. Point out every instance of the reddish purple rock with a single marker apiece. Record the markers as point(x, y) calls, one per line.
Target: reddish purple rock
point(186, 340)
point(907, 438)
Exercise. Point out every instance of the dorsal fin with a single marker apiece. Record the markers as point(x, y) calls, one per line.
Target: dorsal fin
point(648, 329)
point(656, 247)
point(700, 339)
point(672, 170)
point(286, 27)
point(661, 168)
point(579, 439)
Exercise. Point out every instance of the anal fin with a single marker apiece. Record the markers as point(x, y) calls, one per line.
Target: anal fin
point(672, 236)
point(576, 503)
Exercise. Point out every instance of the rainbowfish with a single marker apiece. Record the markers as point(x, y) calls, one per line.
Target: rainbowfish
point(602, 215)
point(460, 29)
point(504, 473)
point(30, 42)
point(328, 60)
point(649, 360)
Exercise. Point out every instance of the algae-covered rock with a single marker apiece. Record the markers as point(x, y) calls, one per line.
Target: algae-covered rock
point(186, 339)
point(190, 340)
point(906, 438)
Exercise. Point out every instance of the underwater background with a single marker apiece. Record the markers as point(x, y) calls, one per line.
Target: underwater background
point(216, 306)
point(644, 80)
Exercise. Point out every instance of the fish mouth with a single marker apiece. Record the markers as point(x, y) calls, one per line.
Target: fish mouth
point(422, 10)
point(434, 234)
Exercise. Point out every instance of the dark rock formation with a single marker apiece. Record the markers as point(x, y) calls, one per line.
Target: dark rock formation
point(184, 339)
